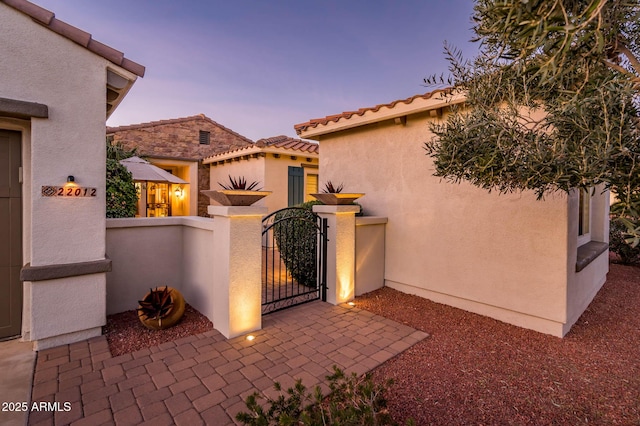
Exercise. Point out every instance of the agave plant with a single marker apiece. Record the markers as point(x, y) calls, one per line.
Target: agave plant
point(157, 305)
point(240, 183)
point(330, 189)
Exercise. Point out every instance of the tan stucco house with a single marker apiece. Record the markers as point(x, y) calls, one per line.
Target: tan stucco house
point(535, 264)
point(286, 166)
point(178, 146)
point(58, 86)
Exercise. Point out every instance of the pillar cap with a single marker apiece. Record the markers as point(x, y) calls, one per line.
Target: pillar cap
point(237, 210)
point(320, 208)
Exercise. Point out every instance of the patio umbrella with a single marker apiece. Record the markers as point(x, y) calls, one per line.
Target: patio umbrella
point(142, 170)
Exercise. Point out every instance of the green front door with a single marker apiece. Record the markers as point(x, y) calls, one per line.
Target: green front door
point(10, 235)
point(296, 186)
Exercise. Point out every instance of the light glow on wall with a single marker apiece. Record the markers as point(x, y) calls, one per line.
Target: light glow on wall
point(346, 285)
point(71, 182)
point(245, 315)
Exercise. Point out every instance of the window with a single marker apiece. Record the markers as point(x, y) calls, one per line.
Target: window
point(592, 219)
point(584, 217)
point(205, 137)
point(312, 186)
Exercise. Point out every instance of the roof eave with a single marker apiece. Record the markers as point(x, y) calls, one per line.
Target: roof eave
point(232, 154)
point(382, 114)
point(119, 82)
point(255, 150)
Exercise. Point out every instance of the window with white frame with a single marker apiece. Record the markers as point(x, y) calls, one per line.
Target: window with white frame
point(584, 217)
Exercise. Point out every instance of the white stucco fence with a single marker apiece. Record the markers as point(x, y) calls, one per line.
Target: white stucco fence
point(151, 252)
point(370, 237)
point(182, 252)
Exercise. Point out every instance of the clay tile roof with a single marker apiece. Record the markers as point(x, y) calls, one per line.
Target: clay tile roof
point(281, 141)
point(286, 142)
point(83, 38)
point(299, 128)
point(199, 117)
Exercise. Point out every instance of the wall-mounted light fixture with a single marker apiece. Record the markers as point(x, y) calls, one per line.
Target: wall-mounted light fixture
point(71, 182)
point(178, 191)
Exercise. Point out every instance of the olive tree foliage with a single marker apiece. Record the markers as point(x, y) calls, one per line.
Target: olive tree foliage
point(551, 101)
point(121, 194)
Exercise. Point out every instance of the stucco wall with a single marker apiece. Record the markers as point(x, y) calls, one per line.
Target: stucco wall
point(253, 170)
point(277, 177)
point(499, 255)
point(40, 66)
point(272, 174)
point(370, 238)
point(197, 267)
point(151, 252)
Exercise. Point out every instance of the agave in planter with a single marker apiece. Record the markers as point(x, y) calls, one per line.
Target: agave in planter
point(334, 196)
point(237, 193)
point(161, 308)
point(239, 184)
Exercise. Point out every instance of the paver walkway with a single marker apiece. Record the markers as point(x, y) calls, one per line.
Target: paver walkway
point(204, 379)
point(17, 360)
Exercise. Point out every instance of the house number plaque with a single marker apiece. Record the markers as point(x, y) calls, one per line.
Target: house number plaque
point(68, 191)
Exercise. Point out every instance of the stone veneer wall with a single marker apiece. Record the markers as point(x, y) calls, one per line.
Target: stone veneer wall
point(179, 138)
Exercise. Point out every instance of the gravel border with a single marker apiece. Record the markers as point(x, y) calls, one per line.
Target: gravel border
point(125, 333)
point(476, 370)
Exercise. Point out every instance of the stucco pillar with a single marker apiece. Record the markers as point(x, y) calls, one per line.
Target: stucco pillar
point(237, 261)
point(341, 251)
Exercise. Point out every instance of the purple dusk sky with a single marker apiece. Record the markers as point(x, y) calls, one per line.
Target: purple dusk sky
point(259, 67)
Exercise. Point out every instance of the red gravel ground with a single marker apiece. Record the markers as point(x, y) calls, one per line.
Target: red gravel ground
point(475, 370)
point(125, 333)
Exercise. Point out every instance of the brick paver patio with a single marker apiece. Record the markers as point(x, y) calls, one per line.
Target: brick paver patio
point(204, 379)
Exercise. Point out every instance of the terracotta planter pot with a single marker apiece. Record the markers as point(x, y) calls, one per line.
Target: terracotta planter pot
point(171, 318)
point(337, 198)
point(235, 197)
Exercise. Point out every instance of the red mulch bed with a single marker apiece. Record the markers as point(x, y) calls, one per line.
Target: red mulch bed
point(476, 370)
point(125, 333)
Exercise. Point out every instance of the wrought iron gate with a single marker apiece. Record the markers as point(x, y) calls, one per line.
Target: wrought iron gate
point(294, 252)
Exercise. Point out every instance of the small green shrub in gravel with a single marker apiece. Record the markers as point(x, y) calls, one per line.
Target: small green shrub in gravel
point(353, 400)
point(618, 243)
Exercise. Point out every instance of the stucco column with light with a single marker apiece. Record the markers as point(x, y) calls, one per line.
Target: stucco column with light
point(237, 261)
point(341, 251)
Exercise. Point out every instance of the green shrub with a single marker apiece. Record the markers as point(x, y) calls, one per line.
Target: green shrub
point(619, 244)
point(296, 234)
point(352, 400)
point(297, 240)
point(122, 198)
point(121, 194)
